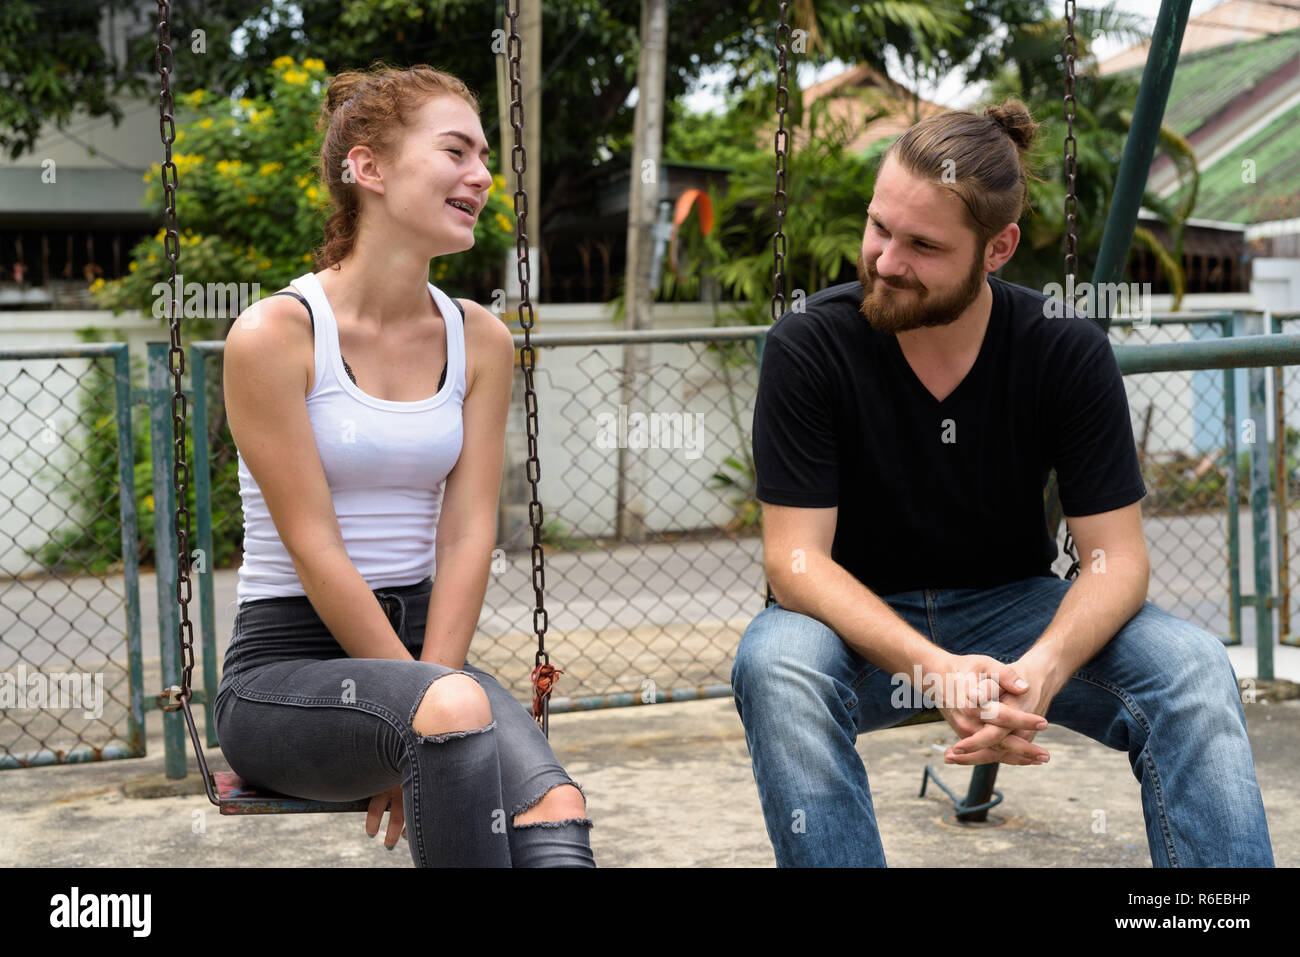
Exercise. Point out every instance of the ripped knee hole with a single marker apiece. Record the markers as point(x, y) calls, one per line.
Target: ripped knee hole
point(452, 705)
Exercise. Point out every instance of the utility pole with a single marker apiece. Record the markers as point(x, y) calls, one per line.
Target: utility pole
point(643, 199)
point(513, 520)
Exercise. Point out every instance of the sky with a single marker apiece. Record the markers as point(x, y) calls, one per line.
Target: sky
point(953, 93)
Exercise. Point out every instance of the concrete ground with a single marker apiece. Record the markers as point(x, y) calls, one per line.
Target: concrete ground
point(668, 785)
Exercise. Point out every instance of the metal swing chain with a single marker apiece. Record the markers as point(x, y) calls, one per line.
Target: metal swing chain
point(176, 696)
point(1070, 51)
point(781, 141)
point(782, 144)
point(544, 673)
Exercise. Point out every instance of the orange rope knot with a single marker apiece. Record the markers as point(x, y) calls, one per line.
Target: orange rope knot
point(544, 678)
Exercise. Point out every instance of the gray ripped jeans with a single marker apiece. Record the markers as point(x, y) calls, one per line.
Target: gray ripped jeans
point(296, 715)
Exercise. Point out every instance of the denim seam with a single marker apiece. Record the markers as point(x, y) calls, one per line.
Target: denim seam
point(932, 617)
point(303, 701)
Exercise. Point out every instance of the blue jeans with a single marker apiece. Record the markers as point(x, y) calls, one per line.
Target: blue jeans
point(296, 715)
point(1161, 689)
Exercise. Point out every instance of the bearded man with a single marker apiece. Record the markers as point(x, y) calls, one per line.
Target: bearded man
point(904, 430)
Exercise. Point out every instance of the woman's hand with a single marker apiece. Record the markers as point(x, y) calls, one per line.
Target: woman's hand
point(390, 801)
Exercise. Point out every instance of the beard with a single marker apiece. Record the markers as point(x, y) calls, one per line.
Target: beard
point(885, 312)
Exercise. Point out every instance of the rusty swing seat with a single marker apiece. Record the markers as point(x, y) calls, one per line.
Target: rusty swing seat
point(234, 796)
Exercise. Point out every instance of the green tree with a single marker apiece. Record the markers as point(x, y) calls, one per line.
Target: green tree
point(251, 206)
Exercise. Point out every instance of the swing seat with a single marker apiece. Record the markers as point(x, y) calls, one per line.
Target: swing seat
point(236, 797)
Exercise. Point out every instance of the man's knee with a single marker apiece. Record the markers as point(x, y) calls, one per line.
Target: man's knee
point(454, 702)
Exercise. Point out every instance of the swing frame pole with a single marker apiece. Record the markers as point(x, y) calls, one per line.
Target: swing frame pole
point(1139, 148)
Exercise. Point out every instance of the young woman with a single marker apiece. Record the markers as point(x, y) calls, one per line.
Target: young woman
point(361, 467)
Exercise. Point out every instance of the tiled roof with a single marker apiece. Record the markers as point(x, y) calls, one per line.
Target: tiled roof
point(1226, 189)
point(1207, 81)
point(1231, 22)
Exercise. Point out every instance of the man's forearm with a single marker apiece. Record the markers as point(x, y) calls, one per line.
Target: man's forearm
point(1094, 609)
point(456, 601)
point(828, 592)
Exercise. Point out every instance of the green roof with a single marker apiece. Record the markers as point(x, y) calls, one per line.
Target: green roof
point(1208, 80)
point(1225, 192)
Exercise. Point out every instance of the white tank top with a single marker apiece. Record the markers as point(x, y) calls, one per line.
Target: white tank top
point(386, 463)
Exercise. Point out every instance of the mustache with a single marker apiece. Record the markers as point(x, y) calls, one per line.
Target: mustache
point(868, 270)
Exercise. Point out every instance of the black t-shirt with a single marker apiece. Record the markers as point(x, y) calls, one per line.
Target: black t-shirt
point(942, 494)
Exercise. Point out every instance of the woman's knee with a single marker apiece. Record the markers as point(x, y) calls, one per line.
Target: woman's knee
point(564, 802)
point(452, 703)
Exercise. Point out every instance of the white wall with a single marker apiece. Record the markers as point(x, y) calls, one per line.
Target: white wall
point(575, 385)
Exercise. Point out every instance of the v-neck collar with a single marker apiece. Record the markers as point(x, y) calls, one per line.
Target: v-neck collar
point(981, 359)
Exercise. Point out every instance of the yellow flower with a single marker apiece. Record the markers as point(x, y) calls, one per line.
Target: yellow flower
point(131, 266)
point(302, 180)
point(252, 200)
point(97, 285)
point(257, 116)
point(195, 98)
point(205, 123)
point(264, 264)
point(498, 182)
point(504, 223)
point(162, 234)
point(311, 63)
point(180, 135)
point(281, 62)
point(306, 257)
point(296, 77)
point(269, 168)
point(151, 258)
point(148, 503)
point(312, 193)
point(186, 162)
point(245, 103)
point(228, 167)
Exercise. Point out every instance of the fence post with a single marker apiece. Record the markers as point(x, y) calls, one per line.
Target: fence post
point(203, 529)
point(135, 736)
point(1259, 511)
point(1233, 494)
point(164, 508)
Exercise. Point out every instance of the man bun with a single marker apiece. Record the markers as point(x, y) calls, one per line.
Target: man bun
point(1014, 120)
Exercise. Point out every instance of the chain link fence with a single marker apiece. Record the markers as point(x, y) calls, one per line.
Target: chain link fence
point(1190, 458)
point(653, 555)
point(70, 663)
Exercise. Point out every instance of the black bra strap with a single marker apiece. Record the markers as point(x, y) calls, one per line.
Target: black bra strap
point(290, 292)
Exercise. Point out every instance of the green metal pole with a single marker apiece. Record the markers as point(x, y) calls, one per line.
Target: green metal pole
point(1259, 512)
point(164, 508)
point(1139, 147)
point(203, 508)
point(1234, 496)
point(135, 737)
